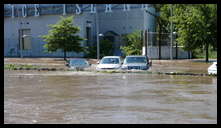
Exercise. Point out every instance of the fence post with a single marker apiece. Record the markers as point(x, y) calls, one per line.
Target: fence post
point(146, 41)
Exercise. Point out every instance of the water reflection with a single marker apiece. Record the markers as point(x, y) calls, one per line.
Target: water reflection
point(57, 97)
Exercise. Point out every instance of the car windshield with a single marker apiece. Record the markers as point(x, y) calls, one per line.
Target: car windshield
point(110, 61)
point(136, 60)
point(78, 62)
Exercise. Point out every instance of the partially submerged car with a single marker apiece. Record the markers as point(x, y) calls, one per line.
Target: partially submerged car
point(213, 69)
point(136, 63)
point(109, 62)
point(78, 64)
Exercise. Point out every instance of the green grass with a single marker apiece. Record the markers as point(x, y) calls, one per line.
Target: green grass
point(199, 54)
point(19, 66)
point(110, 71)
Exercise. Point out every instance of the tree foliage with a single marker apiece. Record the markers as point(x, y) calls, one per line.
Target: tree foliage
point(63, 35)
point(106, 49)
point(132, 44)
point(163, 24)
point(196, 26)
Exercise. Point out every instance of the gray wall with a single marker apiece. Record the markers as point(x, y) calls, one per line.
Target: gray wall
point(38, 26)
point(123, 22)
point(119, 21)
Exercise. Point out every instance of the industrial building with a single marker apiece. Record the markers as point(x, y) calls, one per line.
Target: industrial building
point(25, 23)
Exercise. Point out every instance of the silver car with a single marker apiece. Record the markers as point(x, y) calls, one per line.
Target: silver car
point(136, 62)
point(78, 64)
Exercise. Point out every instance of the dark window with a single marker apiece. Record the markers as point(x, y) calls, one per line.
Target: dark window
point(88, 35)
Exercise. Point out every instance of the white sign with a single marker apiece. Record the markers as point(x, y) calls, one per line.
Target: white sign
point(144, 6)
point(37, 10)
point(78, 10)
point(108, 9)
point(24, 11)
point(93, 8)
point(126, 7)
point(64, 9)
point(13, 11)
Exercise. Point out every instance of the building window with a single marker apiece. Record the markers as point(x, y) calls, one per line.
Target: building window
point(88, 35)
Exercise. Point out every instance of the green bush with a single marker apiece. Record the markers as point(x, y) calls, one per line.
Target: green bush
point(199, 53)
point(19, 66)
point(106, 49)
point(132, 44)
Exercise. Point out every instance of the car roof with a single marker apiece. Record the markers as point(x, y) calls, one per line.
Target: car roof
point(111, 57)
point(136, 56)
point(77, 59)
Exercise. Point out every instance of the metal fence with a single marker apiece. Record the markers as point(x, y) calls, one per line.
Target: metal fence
point(12, 48)
point(153, 39)
point(153, 46)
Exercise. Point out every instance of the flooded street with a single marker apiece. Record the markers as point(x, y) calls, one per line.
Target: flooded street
point(87, 97)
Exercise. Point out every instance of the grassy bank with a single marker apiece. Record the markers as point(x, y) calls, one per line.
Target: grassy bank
point(201, 54)
point(20, 66)
point(35, 67)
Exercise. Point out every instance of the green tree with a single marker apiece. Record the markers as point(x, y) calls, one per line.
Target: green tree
point(62, 35)
point(196, 26)
point(162, 20)
point(106, 49)
point(132, 44)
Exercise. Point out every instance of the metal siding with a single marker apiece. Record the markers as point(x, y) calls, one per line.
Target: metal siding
point(114, 21)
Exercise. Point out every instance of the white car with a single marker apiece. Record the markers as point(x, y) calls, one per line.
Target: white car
point(213, 68)
point(109, 62)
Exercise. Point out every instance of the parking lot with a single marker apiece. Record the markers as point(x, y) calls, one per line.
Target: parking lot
point(94, 97)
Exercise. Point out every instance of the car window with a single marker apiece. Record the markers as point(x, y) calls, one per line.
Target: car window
point(110, 61)
point(136, 60)
point(78, 62)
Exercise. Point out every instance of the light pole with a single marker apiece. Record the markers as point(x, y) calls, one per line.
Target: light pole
point(145, 41)
point(21, 44)
point(98, 46)
point(174, 33)
point(20, 35)
point(97, 34)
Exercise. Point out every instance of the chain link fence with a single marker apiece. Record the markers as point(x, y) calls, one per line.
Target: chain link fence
point(154, 49)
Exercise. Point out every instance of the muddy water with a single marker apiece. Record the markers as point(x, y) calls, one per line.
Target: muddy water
point(180, 66)
point(83, 97)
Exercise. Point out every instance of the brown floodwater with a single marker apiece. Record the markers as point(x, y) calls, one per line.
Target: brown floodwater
point(89, 97)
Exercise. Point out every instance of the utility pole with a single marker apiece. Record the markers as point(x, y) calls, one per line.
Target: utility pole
point(97, 34)
point(20, 34)
point(171, 41)
point(146, 41)
point(145, 33)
